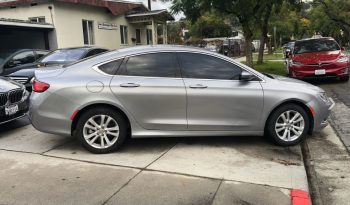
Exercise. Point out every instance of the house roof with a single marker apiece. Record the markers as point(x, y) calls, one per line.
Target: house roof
point(162, 12)
point(115, 6)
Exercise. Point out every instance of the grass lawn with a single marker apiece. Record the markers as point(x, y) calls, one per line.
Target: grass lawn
point(276, 56)
point(272, 67)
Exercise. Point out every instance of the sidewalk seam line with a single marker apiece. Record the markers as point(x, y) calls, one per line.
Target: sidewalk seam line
point(145, 168)
point(124, 185)
point(213, 199)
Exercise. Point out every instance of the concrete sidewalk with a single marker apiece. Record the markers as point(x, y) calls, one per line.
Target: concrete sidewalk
point(38, 168)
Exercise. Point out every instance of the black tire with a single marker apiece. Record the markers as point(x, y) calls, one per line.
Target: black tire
point(272, 120)
point(345, 79)
point(115, 115)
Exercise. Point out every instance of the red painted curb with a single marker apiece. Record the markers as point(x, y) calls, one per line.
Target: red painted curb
point(300, 197)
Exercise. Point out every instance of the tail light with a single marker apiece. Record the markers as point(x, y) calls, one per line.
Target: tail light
point(40, 87)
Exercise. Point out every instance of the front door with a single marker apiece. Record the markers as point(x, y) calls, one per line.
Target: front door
point(150, 88)
point(216, 98)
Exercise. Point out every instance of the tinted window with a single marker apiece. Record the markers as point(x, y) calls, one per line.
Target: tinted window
point(94, 52)
point(208, 67)
point(21, 58)
point(41, 53)
point(111, 67)
point(153, 65)
point(315, 45)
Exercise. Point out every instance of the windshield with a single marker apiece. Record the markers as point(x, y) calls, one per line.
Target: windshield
point(63, 56)
point(316, 45)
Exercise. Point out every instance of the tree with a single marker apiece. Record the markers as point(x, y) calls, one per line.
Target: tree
point(244, 10)
point(210, 26)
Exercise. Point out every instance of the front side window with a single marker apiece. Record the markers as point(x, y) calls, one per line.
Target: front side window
point(202, 66)
point(124, 34)
point(88, 32)
point(152, 65)
point(20, 59)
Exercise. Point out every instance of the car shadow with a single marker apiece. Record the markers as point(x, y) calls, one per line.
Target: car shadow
point(24, 121)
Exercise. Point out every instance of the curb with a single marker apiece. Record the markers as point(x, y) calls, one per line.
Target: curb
point(300, 197)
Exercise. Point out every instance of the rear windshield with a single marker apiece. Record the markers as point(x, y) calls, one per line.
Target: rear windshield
point(63, 56)
point(315, 45)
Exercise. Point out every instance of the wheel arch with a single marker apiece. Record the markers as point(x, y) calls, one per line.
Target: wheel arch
point(296, 102)
point(92, 106)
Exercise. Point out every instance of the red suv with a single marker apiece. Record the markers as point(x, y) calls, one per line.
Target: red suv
point(321, 57)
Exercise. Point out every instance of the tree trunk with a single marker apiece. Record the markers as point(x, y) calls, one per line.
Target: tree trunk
point(263, 37)
point(248, 49)
point(248, 36)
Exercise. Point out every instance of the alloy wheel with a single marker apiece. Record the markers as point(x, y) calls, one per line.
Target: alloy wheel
point(290, 125)
point(101, 131)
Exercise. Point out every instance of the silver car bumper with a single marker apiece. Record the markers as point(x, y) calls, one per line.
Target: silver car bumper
point(322, 112)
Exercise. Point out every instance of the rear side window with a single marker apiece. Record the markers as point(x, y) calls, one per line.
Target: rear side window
point(202, 66)
point(152, 65)
point(111, 67)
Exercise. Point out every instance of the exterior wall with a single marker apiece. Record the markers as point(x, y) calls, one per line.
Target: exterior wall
point(67, 20)
point(26, 11)
point(68, 23)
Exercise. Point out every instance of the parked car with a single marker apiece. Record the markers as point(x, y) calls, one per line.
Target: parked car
point(14, 100)
point(321, 57)
point(288, 49)
point(12, 59)
point(55, 58)
point(153, 91)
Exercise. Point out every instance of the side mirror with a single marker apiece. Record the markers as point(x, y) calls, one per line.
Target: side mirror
point(342, 48)
point(246, 76)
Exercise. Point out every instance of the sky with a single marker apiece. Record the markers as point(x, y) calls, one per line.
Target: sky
point(157, 4)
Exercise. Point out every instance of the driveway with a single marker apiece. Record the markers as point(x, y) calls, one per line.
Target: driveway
point(38, 168)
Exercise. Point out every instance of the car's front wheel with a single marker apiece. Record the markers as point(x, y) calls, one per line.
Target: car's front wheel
point(101, 130)
point(288, 125)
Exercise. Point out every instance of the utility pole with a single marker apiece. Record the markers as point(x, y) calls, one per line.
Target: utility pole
point(149, 5)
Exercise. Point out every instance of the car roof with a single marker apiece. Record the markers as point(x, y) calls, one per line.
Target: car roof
point(310, 39)
point(82, 48)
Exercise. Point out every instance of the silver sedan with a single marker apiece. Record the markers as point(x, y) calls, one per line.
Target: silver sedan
point(156, 91)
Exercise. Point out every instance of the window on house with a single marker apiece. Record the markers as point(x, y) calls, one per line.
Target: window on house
point(149, 36)
point(124, 34)
point(138, 36)
point(88, 32)
point(40, 19)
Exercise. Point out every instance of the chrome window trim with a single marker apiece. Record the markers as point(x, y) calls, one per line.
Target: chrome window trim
point(95, 67)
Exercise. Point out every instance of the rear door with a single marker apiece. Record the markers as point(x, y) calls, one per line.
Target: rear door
point(216, 98)
point(151, 89)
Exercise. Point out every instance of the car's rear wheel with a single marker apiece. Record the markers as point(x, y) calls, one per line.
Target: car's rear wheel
point(101, 130)
point(288, 125)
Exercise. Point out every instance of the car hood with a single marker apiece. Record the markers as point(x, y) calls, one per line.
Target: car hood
point(317, 57)
point(7, 84)
point(296, 84)
point(28, 72)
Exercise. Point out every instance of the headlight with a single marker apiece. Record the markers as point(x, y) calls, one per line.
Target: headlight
point(343, 59)
point(324, 97)
point(296, 63)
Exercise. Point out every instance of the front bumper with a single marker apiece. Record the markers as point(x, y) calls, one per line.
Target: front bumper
point(321, 114)
point(306, 71)
point(22, 111)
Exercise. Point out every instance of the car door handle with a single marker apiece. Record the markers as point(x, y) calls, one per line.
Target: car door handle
point(129, 85)
point(200, 86)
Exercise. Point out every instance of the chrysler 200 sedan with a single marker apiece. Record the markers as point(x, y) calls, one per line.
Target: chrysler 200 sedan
point(153, 91)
